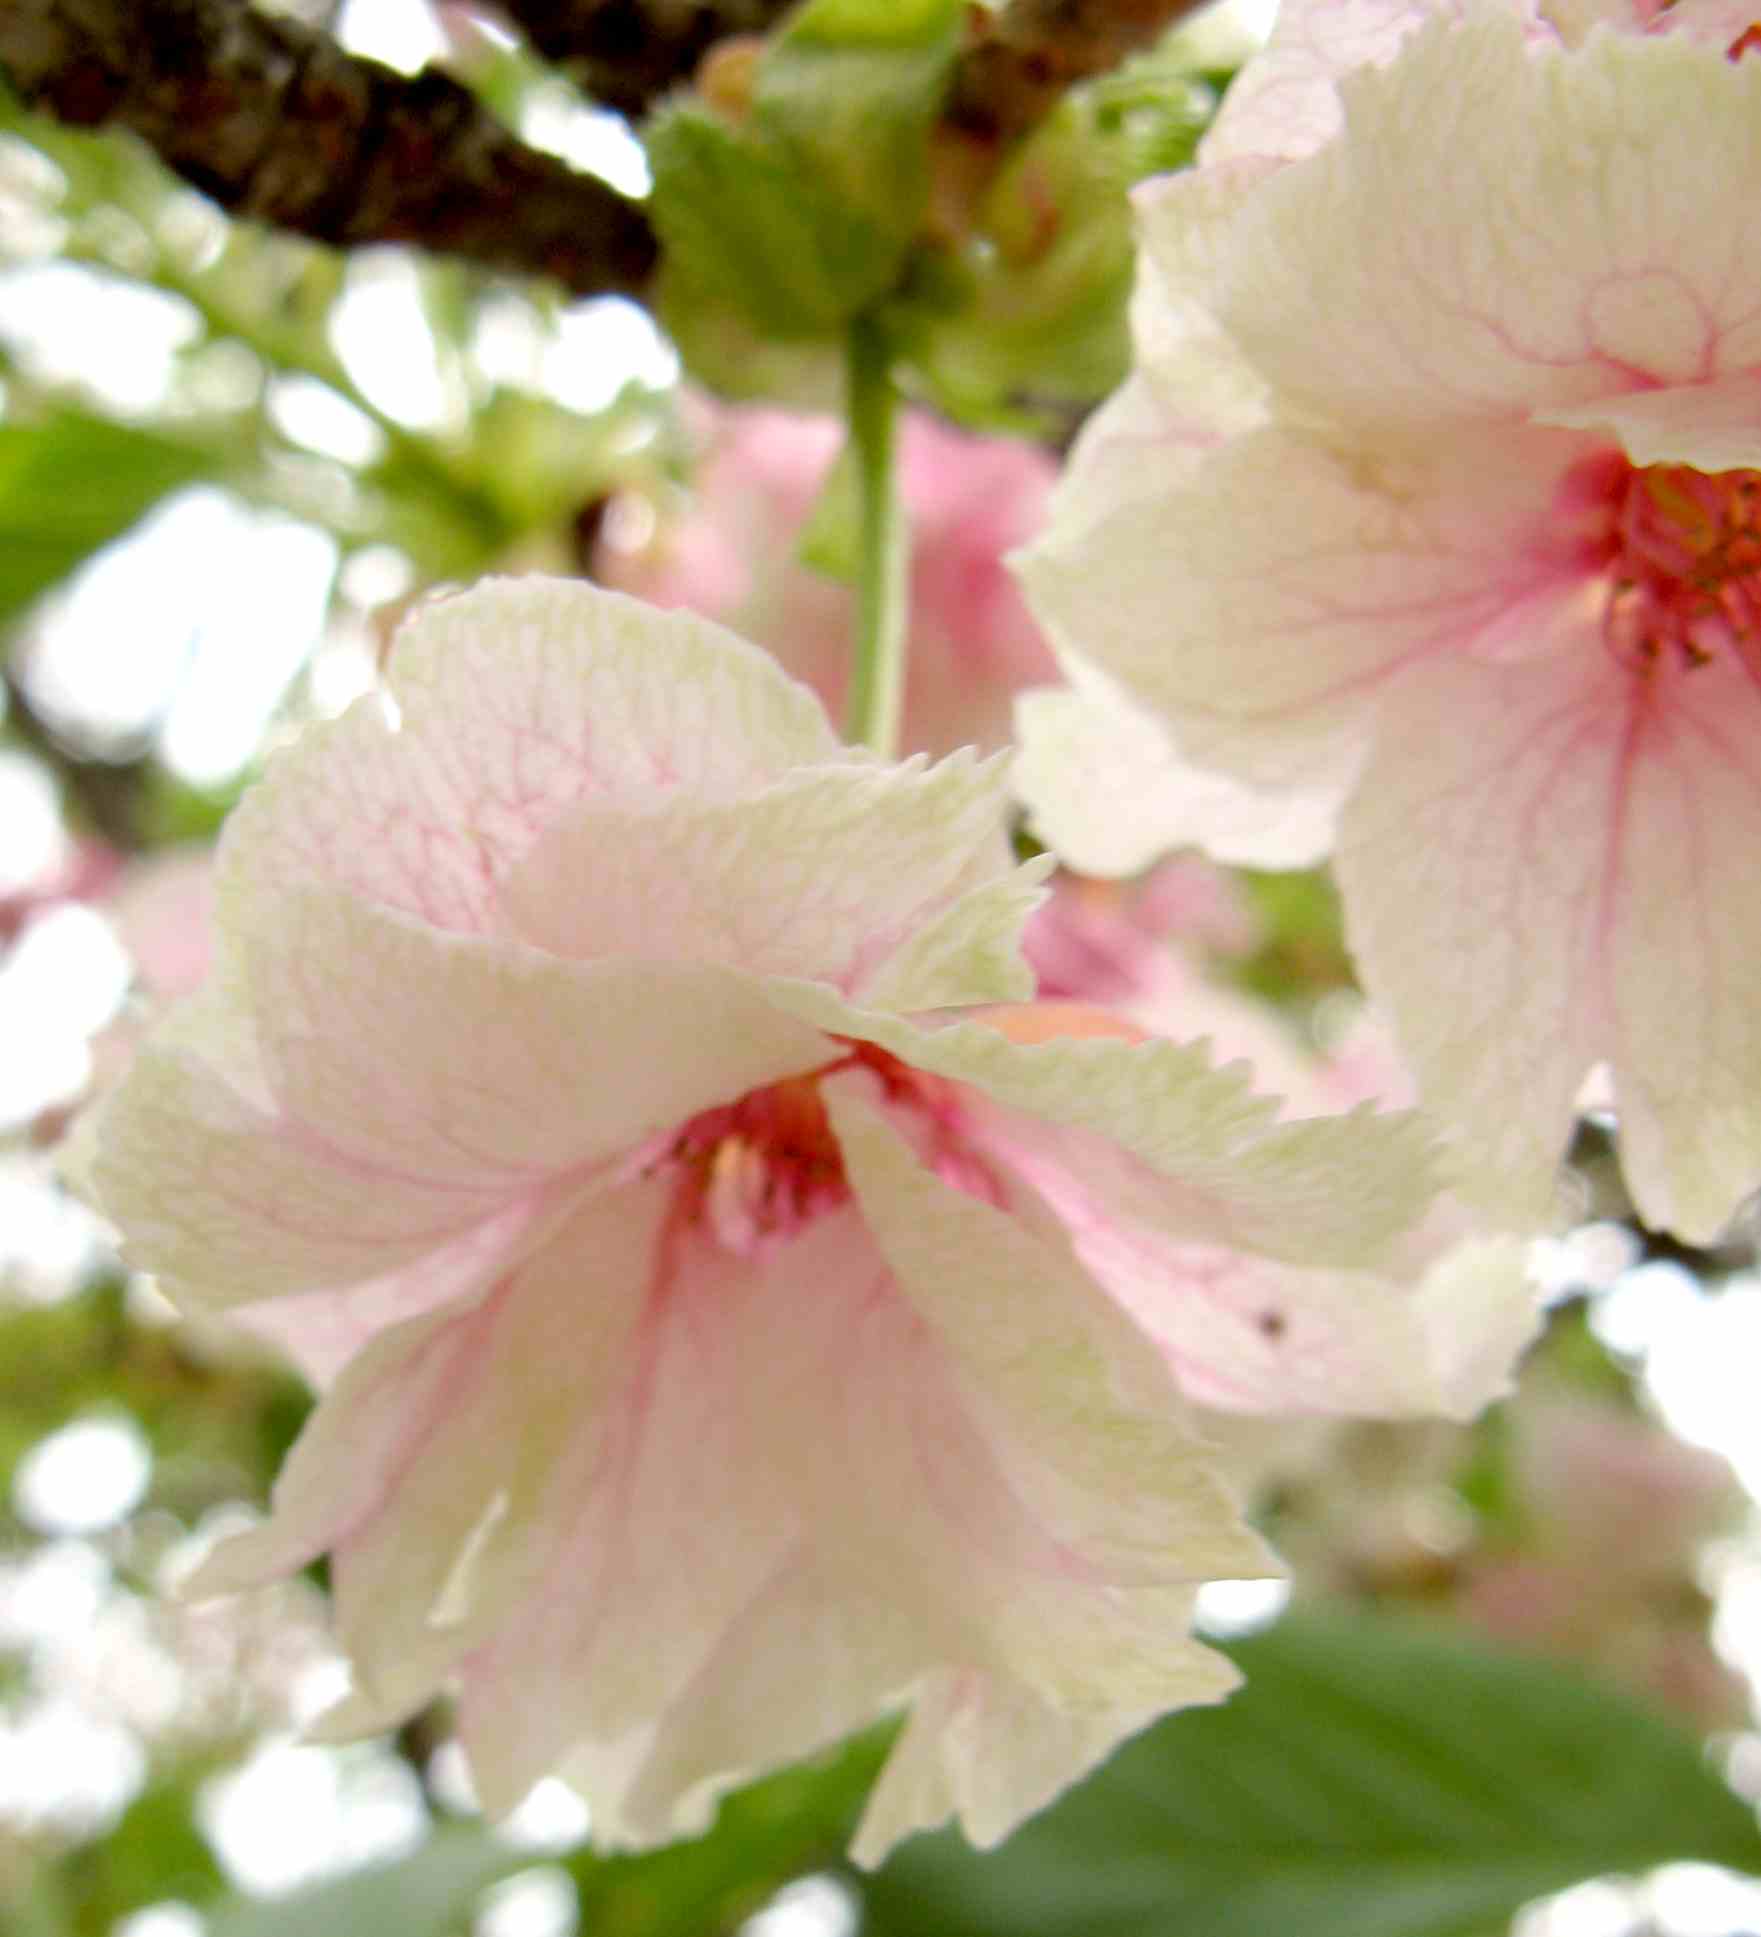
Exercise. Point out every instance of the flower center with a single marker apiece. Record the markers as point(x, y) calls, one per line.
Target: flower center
point(765, 1165)
point(1686, 565)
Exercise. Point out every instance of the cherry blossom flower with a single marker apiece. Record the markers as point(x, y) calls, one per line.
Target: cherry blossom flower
point(1429, 527)
point(726, 1344)
point(732, 555)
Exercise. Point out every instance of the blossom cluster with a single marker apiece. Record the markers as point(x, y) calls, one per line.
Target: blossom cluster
point(748, 1299)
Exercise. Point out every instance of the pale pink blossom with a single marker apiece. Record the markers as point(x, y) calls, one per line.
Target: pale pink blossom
point(726, 1344)
point(1429, 528)
point(731, 554)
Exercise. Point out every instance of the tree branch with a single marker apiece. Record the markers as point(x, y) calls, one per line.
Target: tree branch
point(627, 53)
point(276, 122)
point(1034, 50)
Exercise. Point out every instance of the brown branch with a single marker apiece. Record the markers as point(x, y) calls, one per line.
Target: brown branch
point(1025, 58)
point(627, 53)
point(276, 122)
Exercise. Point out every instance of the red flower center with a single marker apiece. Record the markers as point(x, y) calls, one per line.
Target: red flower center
point(1685, 557)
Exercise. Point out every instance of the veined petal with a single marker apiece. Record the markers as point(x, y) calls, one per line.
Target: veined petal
point(909, 1442)
point(230, 1203)
point(1192, 383)
point(1572, 836)
point(1285, 101)
point(828, 874)
point(1712, 426)
point(1482, 839)
point(490, 1066)
point(1685, 1024)
point(1259, 607)
point(992, 1751)
point(1571, 241)
point(510, 703)
point(1184, 1143)
point(1107, 791)
point(407, 1087)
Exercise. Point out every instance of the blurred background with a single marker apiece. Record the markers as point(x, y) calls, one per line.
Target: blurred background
point(1508, 1685)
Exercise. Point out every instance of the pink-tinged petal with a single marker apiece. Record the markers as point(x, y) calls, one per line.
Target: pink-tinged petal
point(354, 1449)
point(512, 702)
point(735, 1400)
point(1108, 1513)
point(1246, 1330)
point(829, 874)
point(1685, 1024)
point(1192, 383)
point(1711, 426)
point(1476, 860)
point(321, 1331)
point(1720, 24)
point(1107, 791)
point(1183, 1143)
point(1259, 606)
point(436, 1471)
point(1570, 241)
point(1279, 1266)
point(230, 1202)
point(993, 1751)
point(1285, 101)
point(408, 1086)
point(804, 1484)
point(485, 1065)
point(1572, 838)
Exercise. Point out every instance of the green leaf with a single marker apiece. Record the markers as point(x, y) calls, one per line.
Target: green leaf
point(1373, 1779)
point(850, 92)
point(742, 224)
point(768, 1834)
point(71, 484)
point(786, 223)
point(1023, 324)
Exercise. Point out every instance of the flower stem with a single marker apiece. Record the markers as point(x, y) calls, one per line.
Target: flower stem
point(877, 680)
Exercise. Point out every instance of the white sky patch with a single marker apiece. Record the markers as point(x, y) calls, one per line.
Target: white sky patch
point(1699, 1900)
point(59, 1589)
point(402, 33)
point(108, 650)
point(117, 340)
point(61, 983)
point(380, 332)
point(31, 839)
point(50, 1242)
point(62, 1768)
point(351, 1807)
point(186, 631)
point(1700, 1369)
point(1595, 1909)
point(600, 346)
point(812, 1906)
point(553, 1817)
point(88, 1476)
point(171, 1919)
point(1645, 1306)
point(555, 118)
point(1227, 1608)
point(263, 616)
point(322, 420)
point(535, 1903)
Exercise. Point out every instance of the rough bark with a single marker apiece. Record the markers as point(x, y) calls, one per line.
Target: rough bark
point(276, 122)
point(1025, 58)
point(627, 53)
